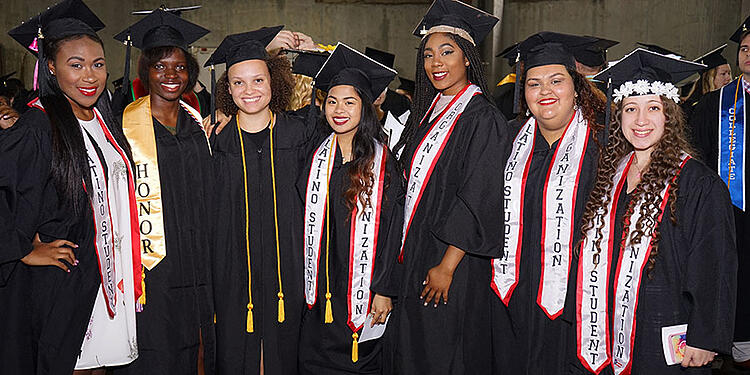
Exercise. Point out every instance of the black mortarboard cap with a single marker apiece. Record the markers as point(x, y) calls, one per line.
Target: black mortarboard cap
point(743, 29)
point(385, 58)
point(642, 64)
point(593, 54)
point(476, 22)
point(244, 46)
point(347, 66)
point(308, 63)
point(66, 18)
point(551, 48)
point(510, 53)
point(4, 78)
point(714, 58)
point(162, 29)
point(406, 84)
point(659, 49)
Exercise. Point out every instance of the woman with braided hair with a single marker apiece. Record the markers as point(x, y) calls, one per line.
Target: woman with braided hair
point(547, 178)
point(452, 150)
point(658, 252)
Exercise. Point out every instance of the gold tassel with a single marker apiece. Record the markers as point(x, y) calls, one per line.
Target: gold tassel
point(281, 307)
point(355, 347)
point(329, 310)
point(250, 327)
point(142, 298)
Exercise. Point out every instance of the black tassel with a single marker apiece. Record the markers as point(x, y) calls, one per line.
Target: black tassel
point(42, 64)
point(213, 97)
point(126, 73)
point(608, 110)
point(517, 87)
point(313, 112)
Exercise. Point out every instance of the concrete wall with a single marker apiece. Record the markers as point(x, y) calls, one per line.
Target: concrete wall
point(688, 26)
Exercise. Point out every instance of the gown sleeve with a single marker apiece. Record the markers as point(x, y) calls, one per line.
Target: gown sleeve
point(475, 219)
point(710, 281)
point(386, 277)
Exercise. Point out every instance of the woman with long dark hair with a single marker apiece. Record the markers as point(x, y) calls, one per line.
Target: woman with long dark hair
point(658, 263)
point(257, 262)
point(353, 194)
point(452, 150)
point(547, 179)
point(173, 178)
point(69, 284)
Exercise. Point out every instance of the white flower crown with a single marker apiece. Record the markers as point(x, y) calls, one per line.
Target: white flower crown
point(643, 87)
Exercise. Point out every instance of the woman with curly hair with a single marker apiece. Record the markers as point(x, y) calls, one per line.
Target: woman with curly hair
point(658, 254)
point(353, 194)
point(547, 178)
point(452, 150)
point(257, 265)
point(173, 175)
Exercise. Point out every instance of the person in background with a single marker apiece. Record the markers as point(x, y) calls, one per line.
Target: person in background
point(716, 75)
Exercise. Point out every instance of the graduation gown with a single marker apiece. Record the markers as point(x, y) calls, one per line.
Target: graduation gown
point(238, 352)
point(45, 309)
point(704, 125)
point(179, 308)
point(461, 205)
point(694, 279)
point(503, 96)
point(327, 348)
point(526, 341)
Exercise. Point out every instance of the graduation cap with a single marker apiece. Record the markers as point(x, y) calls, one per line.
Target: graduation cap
point(660, 50)
point(244, 46)
point(4, 78)
point(594, 54)
point(347, 66)
point(161, 29)
point(741, 31)
point(510, 53)
point(177, 11)
point(458, 18)
point(406, 84)
point(644, 72)
point(308, 63)
point(66, 18)
point(385, 58)
point(714, 58)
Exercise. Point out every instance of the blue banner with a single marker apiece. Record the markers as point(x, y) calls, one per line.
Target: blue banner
point(732, 140)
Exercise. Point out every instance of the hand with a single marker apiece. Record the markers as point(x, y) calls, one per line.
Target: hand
point(305, 42)
point(381, 307)
point(285, 39)
point(8, 116)
point(51, 254)
point(437, 283)
point(221, 121)
point(695, 357)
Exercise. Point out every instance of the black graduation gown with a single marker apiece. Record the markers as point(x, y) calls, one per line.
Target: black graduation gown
point(531, 343)
point(704, 125)
point(694, 279)
point(395, 103)
point(45, 310)
point(503, 96)
point(179, 308)
point(462, 206)
point(327, 348)
point(238, 352)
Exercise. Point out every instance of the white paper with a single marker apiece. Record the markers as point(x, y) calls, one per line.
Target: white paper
point(670, 347)
point(393, 128)
point(372, 333)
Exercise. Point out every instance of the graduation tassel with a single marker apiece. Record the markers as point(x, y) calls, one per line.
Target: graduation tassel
point(608, 110)
point(517, 87)
point(329, 310)
point(213, 96)
point(281, 316)
point(313, 112)
point(40, 57)
point(249, 328)
point(142, 298)
point(355, 347)
point(126, 74)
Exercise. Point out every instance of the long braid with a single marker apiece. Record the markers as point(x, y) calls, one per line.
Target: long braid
point(424, 92)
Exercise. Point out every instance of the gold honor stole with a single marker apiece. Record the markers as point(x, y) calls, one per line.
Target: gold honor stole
point(558, 208)
point(428, 152)
point(598, 343)
point(138, 126)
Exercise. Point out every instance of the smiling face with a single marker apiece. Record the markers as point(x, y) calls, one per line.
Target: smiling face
point(81, 73)
point(343, 109)
point(643, 121)
point(168, 77)
point(550, 95)
point(250, 85)
point(723, 76)
point(445, 64)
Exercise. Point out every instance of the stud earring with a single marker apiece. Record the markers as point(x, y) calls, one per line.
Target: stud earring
point(528, 114)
